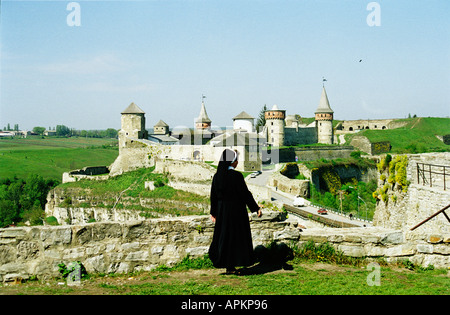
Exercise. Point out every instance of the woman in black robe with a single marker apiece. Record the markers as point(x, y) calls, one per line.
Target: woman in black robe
point(232, 240)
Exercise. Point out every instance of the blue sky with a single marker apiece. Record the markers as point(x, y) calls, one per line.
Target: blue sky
point(242, 54)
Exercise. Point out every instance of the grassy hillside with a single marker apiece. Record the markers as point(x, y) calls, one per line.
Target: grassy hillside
point(418, 136)
point(50, 157)
point(130, 186)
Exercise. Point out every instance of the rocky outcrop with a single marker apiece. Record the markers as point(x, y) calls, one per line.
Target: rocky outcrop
point(292, 186)
point(78, 206)
point(390, 244)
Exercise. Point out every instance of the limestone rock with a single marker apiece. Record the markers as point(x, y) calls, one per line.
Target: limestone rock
point(352, 250)
point(434, 239)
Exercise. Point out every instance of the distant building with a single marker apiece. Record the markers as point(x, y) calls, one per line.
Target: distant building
point(49, 133)
point(4, 134)
point(161, 134)
point(139, 149)
point(248, 144)
point(275, 126)
point(244, 122)
point(361, 124)
point(281, 130)
point(161, 128)
point(133, 125)
point(324, 120)
point(163, 139)
point(203, 122)
point(12, 133)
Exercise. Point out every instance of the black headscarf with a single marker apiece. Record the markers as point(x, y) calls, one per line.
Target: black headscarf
point(226, 159)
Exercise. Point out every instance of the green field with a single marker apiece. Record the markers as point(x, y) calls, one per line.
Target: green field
point(50, 157)
point(418, 136)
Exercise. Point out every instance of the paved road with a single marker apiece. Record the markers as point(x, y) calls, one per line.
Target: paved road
point(282, 197)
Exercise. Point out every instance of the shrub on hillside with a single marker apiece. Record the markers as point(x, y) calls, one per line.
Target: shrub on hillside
point(290, 170)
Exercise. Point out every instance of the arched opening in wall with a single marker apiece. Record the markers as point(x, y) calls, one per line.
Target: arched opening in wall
point(350, 129)
point(196, 155)
point(367, 127)
point(384, 127)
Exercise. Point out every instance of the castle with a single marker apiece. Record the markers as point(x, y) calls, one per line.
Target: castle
point(139, 148)
point(281, 130)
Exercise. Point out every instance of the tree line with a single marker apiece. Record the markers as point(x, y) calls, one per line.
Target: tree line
point(8, 128)
point(64, 131)
point(24, 200)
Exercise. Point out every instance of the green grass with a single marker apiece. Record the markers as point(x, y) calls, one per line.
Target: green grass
point(315, 270)
point(134, 182)
point(306, 277)
point(50, 157)
point(418, 136)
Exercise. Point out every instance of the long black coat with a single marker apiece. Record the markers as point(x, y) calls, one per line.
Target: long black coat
point(232, 241)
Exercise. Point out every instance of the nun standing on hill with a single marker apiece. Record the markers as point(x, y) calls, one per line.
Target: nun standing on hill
point(232, 240)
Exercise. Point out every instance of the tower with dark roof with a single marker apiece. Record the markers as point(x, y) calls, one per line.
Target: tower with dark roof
point(132, 125)
point(161, 128)
point(243, 122)
point(203, 122)
point(324, 120)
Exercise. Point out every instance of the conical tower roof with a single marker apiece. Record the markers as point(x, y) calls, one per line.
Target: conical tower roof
point(203, 117)
point(161, 123)
point(243, 115)
point(324, 105)
point(133, 109)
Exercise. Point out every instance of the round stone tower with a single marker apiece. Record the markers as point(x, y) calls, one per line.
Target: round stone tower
point(324, 120)
point(275, 126)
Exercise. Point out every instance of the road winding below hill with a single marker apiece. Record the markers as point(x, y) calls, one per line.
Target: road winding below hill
point(286, 198)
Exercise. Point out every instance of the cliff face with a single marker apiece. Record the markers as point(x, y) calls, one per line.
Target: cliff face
point(71, 205)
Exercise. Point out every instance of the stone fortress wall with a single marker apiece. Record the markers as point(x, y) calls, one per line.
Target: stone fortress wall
point(420, 201)
point(116, 247)
point(121, 247)
point(374, 124)
point(296, 136)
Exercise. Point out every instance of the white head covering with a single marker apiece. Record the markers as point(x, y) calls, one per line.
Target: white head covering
point(235, 157)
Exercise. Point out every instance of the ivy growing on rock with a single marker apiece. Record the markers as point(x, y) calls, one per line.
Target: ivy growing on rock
point(395, 170)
